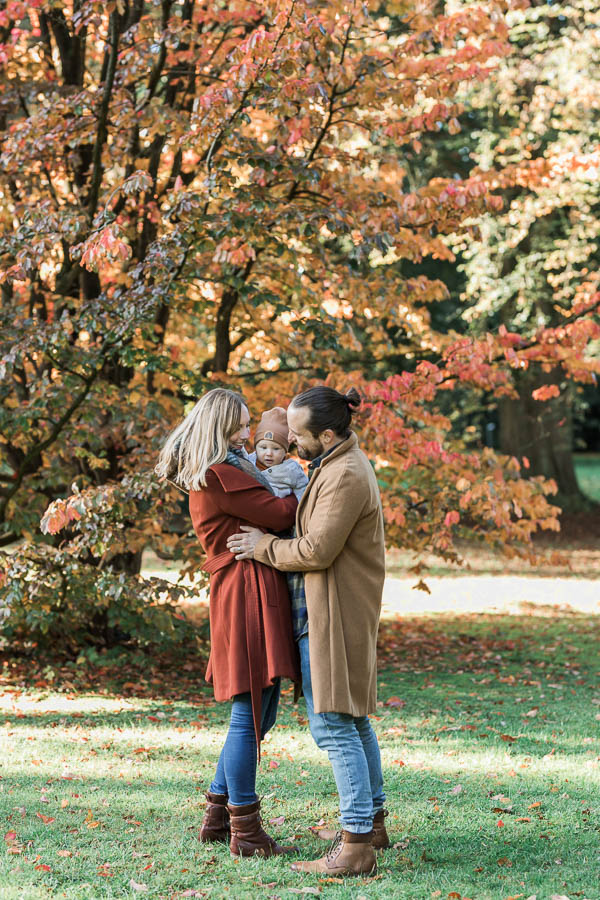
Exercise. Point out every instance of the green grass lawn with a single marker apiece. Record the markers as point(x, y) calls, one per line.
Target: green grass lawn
point(587, 469)
point(490, 742)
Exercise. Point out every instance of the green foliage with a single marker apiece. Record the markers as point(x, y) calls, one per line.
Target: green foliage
point(86, 591)
point(52, 599)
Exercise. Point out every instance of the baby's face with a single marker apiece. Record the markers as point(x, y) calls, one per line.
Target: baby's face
point(269, 453)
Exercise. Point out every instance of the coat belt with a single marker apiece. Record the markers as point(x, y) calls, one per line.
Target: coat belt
point(214, 563)
point(255, 637)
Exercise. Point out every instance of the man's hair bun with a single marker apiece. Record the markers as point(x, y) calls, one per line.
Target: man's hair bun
point(353, 399)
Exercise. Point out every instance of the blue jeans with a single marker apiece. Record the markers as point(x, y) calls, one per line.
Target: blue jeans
point(236, 770)
point(353, 753)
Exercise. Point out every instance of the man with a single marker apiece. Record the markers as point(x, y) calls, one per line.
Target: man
point(339, 546)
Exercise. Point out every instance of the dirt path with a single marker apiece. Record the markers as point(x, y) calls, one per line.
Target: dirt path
point(490, 593)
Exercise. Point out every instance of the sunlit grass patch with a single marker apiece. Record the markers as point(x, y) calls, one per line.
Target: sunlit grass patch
point(587, 469)
point(490, 743)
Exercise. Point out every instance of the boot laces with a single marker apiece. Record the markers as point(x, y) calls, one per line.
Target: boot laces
point(333, 850)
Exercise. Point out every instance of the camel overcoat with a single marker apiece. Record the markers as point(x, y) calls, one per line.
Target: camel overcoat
point(251, 638)
point(340, 548)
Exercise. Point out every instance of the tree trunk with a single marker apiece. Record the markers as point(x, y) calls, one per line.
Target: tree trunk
point(542, 431)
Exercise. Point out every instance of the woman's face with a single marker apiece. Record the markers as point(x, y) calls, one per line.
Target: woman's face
point(239, 437)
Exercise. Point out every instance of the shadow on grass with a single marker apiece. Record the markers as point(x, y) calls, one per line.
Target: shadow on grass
point(441, 841)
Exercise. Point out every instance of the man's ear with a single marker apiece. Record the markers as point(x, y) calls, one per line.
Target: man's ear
point(327, 436)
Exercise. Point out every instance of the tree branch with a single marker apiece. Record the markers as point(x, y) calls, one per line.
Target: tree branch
point(102, 133)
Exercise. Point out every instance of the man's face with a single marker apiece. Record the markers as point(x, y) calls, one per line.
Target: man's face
point(309, 447)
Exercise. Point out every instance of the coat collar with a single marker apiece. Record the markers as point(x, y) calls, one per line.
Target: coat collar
point(351, 441)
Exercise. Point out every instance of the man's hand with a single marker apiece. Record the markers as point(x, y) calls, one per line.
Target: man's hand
point(242, 545)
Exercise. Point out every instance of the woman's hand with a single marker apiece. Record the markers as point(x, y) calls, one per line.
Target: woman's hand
point(242, 545)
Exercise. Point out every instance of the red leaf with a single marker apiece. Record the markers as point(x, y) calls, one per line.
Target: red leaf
point(395, 701)
point(452, 518)
point(546, 392)
point(45, 819)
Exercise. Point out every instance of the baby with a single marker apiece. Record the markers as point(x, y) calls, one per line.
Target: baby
point(270, 455)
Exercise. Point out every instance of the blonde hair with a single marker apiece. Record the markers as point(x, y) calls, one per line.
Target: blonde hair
point(201, 440)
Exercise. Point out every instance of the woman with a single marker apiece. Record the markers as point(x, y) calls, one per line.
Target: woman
point(252, 644)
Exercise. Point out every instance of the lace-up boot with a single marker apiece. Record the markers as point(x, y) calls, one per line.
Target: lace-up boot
point(350, 854)
point(381, 840)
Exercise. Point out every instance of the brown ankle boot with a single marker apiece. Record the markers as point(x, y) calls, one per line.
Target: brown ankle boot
point(248, 837)
point(350, 854)
point(215, 824)
point(381, 839)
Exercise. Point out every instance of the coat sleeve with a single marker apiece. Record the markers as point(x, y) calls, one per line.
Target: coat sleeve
point(254, 505)
point(334, 515)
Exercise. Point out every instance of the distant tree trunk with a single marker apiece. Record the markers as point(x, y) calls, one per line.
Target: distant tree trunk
point(542, 431)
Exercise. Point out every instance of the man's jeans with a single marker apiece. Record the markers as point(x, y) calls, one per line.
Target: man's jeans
point(236, 769)
point(353, 753)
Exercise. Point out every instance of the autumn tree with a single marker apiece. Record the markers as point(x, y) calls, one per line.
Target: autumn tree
point(195, 192)
point(536, 264)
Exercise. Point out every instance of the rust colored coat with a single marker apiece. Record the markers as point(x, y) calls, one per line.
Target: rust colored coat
point(250, 615)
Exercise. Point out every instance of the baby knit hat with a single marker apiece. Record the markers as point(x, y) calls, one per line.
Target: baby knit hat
point(273, 427)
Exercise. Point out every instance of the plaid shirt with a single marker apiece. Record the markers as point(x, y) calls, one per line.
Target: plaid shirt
point(295, 580)
point(297, 593)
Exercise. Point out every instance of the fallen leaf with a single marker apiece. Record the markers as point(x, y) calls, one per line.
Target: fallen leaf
point(10, 836)
point(534, 805)
point(532, 712)
point(504, 861)
point(89, 820)
point(137, 886)
point(45, 819)
point(395, 702)
point(64, 853)
point(44, 867)
point(454, 895)
point(273, 764)
point(278, 820)
point(508, 737)
point(559, 897)
point(499, 824)
point(457, 789)
point(523, 819)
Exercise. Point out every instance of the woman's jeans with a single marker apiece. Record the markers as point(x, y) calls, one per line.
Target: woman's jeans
point(236, 770)
point(353, 753)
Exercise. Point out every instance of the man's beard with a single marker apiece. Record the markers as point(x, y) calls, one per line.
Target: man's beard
point(311, 454)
